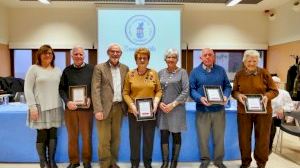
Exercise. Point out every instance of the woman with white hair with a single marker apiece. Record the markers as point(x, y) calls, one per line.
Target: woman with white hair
point(253, 80)
point(283, 102)
point(171, 114)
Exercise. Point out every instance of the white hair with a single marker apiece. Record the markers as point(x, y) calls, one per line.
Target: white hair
point(171, 51)
point(276, 79)
point(251, 53)
point(113, 44)
point(75, 48)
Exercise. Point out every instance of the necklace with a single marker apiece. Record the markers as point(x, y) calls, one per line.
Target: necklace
point(172, 70)
point(141, 73)
point(168, 76)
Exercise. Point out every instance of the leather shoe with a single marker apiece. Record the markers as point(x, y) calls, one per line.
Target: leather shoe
point(87, 165)
point(114, 166)
point(73, 165)
point(204, 164)
point(220, 165)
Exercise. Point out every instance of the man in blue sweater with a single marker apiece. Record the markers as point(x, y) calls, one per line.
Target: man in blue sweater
point(210, 117)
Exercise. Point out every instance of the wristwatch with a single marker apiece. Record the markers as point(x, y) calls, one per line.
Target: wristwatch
point(174, 104)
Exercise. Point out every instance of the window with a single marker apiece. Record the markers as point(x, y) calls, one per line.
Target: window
point(22, 61)
point(231, 61)
point(60, 59)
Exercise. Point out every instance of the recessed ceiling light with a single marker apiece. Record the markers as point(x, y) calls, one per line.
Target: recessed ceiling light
point(45, 1)
point(232, 2)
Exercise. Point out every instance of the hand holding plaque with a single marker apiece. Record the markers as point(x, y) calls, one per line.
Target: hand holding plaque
point(87, 105)
point(254, 104)
point(144, 109)
point(214, 94)
point(78, 95)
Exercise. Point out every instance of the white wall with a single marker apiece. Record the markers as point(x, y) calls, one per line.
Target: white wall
point(64, 27)
point(59, 27)
point(224, 29)
point(3, 25)
point(286, 27)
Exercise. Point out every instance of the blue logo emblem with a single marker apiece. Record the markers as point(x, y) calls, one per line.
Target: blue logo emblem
point(140, 29)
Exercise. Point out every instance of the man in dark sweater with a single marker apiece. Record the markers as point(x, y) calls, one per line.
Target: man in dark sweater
point(210, 117)
point(75, 90)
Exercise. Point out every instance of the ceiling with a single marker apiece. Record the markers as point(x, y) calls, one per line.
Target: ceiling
point(207, 4)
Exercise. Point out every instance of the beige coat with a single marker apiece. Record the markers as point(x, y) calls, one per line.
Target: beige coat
point(103, 89)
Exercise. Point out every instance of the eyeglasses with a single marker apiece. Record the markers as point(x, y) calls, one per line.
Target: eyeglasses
point(115, 51)
point(208, 55)
point(171, 57)
point(142, 58)
point(48, 53)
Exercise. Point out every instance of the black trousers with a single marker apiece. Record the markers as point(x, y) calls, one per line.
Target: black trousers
point(275, 123)
point(138, 130)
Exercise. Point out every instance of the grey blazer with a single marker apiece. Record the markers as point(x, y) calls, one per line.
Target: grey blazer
point(103, 89)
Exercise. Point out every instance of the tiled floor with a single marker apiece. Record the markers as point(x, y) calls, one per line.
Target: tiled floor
point(275, 161)
point(289, 158)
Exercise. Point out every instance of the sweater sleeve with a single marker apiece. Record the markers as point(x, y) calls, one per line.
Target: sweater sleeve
point(185, 88)
point(272, 90)
point(158, 90)
point(29, 85)
point(235, 90)
point(63, 87)
point(226, 85)
point(127, 90)
point(195, 95)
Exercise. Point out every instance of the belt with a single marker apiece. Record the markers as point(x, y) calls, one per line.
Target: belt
point(116, 102)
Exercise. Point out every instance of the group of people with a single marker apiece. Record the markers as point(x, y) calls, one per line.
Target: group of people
point(111, 92)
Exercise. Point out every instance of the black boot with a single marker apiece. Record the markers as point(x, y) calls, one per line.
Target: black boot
point(175, 155)
point(51, 153)
point(41, 149)
point(165, 155)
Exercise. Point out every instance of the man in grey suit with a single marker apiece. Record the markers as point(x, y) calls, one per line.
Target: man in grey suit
point(107, 86)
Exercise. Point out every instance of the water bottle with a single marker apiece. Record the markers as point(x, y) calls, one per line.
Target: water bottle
point(22, 99)
point(5, 100)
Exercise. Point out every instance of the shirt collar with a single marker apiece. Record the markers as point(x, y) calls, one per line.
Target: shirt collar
point(208, 69)
point(82, 65)
point(254, 73)
point(112, 66)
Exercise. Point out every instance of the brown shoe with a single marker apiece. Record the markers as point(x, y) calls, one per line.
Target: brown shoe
point(114, 166)
point(87, 165)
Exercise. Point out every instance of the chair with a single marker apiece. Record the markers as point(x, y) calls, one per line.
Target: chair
point(290, 129)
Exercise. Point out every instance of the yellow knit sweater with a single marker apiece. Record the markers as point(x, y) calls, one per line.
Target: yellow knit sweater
point(141, 86)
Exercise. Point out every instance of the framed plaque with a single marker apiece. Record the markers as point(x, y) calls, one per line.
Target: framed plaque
point(78, 94)
point(254, 104)
point(214, 94)
point(144, 107)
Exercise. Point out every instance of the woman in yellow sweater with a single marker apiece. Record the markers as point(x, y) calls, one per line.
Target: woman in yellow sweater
point(141, 83)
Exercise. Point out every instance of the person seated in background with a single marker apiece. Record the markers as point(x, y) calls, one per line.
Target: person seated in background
point(283, 102)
